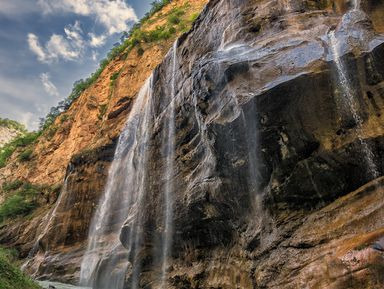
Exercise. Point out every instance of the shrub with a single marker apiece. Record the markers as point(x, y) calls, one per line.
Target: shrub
point(26, 139)
point(15, 206)
point(193, 17)
point(173, 19)
point(26, 155)
point(64, 118)
point(102, 111)
point(140, 51)
point(115, 76)
point(5, 153)
point(21, 203)
point(11, 186)
point(172, 30)
point(50, 132)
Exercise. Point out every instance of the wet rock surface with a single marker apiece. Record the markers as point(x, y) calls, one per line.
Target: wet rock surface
point(263, 146)
point(271, 189)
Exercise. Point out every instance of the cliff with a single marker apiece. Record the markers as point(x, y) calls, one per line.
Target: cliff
point(252, 157)
point(9, 130)
point(85, 134)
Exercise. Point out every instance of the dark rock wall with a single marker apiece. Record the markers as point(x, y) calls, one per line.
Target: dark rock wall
point(265, 159)
point(261, 143)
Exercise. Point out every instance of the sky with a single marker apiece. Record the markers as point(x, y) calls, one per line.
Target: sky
point(46, 45)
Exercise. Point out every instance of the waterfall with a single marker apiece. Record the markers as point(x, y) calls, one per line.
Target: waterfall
point(51, 216)
point(356, 4)
point(348, 101)
point(48, 220)
point(105, 262)
point(169, 141)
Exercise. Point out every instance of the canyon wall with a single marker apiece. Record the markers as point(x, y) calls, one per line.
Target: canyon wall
point(272, 183)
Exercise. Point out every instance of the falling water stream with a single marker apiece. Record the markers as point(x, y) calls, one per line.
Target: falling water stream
point(121, 200)
point(169, 141)
point(356, 4)
point(349, 99)
point(34, 257)
point(106, 262)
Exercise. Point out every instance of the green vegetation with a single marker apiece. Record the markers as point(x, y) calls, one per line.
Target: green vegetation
point(193, 17)
point(140, 51)
point(102, 111)
point(17, 205)
point(176, 21)
point(20, 142)
point(115, 76)
point(50, 132)
point(129, 40)
point(12, 124)
point(64, 118)
point(113, 79)
point(10, 275)
point(12, 186)
point(26, 155)
point(22, 198)
point(22, 202)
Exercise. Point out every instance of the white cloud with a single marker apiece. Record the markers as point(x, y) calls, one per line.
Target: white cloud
point(34, 45)
point(21, 98)
point(94, 55)
point(29, 120)
point(114, 15)
point(57, 47)
point(73, 32)
point(96, 41)
point(49, 87)
point(69, 47)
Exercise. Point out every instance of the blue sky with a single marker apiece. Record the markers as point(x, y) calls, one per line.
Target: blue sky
point(46, 45)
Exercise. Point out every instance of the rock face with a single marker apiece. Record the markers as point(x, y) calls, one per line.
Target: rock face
point(7, 134)
point(266, 146)
point(271, 180)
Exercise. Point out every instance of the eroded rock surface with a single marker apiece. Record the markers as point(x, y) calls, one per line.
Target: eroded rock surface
point(271, 188)
point(262, 144)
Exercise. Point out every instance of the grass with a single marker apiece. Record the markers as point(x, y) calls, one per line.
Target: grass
point(10, 275)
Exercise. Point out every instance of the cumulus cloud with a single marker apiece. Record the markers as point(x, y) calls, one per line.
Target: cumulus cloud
point(49, 87)
point(114, 15)
point(69, 47)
